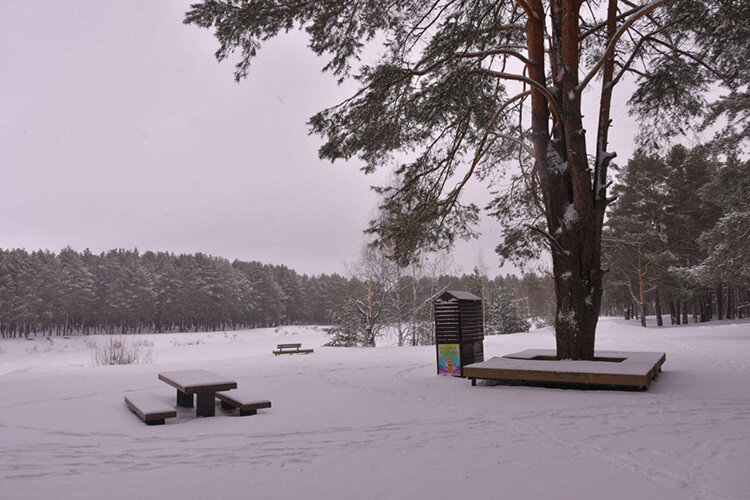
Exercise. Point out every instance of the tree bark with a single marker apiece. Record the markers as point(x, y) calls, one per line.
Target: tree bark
point(684, 307)
point(695, 310)
point(672, 313)
point(730, 310)
point(573, 197)
point(719, 301)
point(657, 306)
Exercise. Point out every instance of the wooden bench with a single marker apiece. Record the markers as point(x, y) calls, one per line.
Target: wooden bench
point(290, 349)
point(247, 403)
point(149, 408)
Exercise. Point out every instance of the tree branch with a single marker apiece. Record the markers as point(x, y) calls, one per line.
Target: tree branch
point(613, 42)
point(538, 86)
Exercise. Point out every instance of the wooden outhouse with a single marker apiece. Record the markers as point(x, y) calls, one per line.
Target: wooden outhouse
point(459, 332)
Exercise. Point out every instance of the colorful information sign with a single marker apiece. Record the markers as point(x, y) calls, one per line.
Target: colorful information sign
point(449, 360)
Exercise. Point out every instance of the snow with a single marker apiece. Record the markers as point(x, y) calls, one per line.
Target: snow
point(245, 398)
point(569, 317)
point(194, 378)
point(378, 423)
point(639, 363)
point(148, 403)
point(570, 216)
point(556, 165)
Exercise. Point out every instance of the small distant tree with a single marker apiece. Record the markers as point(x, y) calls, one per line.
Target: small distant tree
point(365, 313)
point(507, 313)
point(411, 299)
point(352, 328)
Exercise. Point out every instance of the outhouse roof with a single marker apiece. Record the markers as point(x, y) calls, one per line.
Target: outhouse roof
point(461, 295)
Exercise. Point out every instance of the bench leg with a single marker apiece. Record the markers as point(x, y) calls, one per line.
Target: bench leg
point(473, 382)
point(244, 413)
point(185, 400)
point(206, 406)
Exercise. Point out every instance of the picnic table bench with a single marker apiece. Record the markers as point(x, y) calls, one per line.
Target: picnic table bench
point(246, 402)
point(206, 385)
point(203, 383)
point(149, 408)
point(290, 349)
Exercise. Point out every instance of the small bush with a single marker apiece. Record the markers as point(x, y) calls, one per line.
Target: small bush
point(187, 341)
point(123, 351)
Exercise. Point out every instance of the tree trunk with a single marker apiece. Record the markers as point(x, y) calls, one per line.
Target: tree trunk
point(399, 308)
point(730, 311)
point(573, 194)
point(672, 313)
point(719, 302)
point(657, 307)
point(684, 308)
point(695, 310)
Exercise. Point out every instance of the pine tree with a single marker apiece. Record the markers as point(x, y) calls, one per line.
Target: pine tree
point(507, 313)
point(462, 87)
point(636, 241)
point(726, 244)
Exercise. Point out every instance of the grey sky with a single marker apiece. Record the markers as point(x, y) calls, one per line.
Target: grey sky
point(118, 128)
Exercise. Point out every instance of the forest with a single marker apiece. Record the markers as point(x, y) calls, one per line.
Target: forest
point(125, 291)
point(677, 238)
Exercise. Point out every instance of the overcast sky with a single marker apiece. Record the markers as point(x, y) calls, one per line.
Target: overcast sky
point(118, 128)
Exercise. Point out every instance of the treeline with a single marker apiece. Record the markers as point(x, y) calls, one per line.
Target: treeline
point(677, 241)
point(125, 291)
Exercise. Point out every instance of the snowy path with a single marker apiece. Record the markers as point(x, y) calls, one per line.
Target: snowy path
point(373, 423)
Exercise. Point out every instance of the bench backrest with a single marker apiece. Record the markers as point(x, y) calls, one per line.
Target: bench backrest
point(283, 346)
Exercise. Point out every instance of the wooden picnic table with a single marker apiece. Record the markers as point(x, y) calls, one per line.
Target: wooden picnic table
point(203, 383)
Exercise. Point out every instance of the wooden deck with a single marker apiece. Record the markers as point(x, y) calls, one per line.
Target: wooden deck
point(610, 369)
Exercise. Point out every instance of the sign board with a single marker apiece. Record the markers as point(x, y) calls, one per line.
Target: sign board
point(449, 360)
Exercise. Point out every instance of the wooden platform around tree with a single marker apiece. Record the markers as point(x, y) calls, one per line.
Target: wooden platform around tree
point(610, 369)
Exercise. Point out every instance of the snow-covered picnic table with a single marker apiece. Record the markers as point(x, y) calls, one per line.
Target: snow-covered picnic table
point(203, 383)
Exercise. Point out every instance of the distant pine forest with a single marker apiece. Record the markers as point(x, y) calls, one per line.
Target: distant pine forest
point(126, 291)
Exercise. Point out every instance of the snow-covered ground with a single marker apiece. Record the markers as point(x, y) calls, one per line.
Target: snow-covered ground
point(377, 423)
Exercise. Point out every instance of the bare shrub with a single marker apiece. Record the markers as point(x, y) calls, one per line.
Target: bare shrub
point(120, 350)
point(187, 341)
